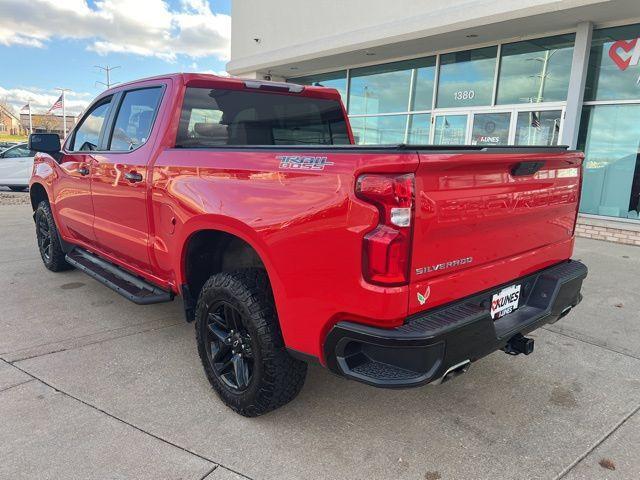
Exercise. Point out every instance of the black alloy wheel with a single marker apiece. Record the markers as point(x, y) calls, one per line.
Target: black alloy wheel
point(49, 244)
point(241, 345)
point(229, 351)
point(43, 235)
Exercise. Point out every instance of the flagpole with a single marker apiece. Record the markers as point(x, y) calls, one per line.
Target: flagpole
point(30, 120)
point(64, 115)
point(64, 118)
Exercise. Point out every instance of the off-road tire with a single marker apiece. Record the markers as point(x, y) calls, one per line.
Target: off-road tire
point(55, 259)
point(277, 377)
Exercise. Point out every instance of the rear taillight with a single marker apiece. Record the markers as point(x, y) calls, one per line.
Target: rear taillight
point(387, 247)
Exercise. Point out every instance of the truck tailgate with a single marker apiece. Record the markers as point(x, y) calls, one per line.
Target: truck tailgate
point(485, 218)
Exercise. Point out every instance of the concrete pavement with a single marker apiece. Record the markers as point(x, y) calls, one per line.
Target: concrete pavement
point(92, 386)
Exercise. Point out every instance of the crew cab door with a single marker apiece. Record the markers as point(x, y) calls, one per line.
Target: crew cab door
point(119, 177)
point(72, 189)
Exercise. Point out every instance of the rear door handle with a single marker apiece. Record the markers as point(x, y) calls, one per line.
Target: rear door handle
point(133, 177)
point(83, 171)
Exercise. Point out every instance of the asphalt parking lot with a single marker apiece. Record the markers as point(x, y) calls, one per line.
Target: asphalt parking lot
point(95, 387)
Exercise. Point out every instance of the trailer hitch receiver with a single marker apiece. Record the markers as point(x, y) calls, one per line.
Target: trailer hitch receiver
point(519, 344)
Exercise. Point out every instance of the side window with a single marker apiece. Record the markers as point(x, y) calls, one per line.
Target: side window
point(87, 136)
point(11, 152)
point(135, 118)
point(7, 152)
point(21, 151)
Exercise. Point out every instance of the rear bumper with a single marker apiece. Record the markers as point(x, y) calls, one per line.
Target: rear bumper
point(431, 343)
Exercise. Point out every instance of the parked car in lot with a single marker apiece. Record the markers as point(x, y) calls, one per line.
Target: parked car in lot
point(5, 145)
point(16, 164)
point(395, 266)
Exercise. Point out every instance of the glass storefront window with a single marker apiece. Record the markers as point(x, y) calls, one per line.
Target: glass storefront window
point(379, 130)
point(450, 130)
point(610, 138)
point(614, 64)
point(535, 71)
point(419, 128)
point(466, 78)
point(424, 83)
point(538, 128)
point(385, 88)
point(490, 128)
point(337, 80)
point(394, 102)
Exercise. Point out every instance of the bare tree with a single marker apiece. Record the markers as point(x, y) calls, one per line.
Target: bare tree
point(45, 122)
point(4, 103)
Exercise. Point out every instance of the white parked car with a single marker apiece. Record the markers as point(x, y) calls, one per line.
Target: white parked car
point(16, 164)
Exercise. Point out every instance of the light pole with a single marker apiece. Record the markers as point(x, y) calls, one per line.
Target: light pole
point(30, 119)
point(107, 70)
point(543, 78)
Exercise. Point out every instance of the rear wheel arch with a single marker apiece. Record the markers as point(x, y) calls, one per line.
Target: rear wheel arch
point(210, 251)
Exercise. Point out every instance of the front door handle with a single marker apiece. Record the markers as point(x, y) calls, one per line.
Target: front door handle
point(133, 177)
point(83, 171)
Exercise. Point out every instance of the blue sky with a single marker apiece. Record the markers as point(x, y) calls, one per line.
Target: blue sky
point(56, 43)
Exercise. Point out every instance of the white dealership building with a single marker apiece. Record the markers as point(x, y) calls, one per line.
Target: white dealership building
point(508, 72)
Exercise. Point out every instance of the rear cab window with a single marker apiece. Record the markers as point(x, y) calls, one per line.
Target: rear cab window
point(135, 118)
point(217, 117)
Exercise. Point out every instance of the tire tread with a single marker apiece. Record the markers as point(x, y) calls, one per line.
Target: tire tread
point(57, 262)
point(282, 375)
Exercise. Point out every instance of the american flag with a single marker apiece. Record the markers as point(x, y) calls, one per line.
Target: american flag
point(56, 105)
point(26, 107)
point(535, 121)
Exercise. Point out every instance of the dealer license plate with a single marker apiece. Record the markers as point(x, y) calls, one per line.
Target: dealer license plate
point(505, 301)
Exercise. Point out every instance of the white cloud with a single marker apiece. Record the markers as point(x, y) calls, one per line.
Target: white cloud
point(148, 28)
point(41, 100)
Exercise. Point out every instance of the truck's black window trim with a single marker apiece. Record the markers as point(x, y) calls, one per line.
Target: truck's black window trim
point(391, 148)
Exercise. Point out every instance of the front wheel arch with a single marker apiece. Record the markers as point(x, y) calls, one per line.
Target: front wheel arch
point(37, 194)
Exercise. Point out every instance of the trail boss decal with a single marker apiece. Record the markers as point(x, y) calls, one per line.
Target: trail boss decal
point(299, 162)
point(443, 266)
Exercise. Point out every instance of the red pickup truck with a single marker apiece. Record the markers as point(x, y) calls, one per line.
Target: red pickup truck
point(395, 266)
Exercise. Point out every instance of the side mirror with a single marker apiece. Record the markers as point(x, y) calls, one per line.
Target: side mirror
point(45, 142)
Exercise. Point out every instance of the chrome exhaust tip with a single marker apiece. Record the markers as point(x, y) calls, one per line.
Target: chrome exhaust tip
point(452, 372)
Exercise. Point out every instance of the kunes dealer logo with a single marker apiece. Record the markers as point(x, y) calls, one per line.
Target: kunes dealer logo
point(626, 53)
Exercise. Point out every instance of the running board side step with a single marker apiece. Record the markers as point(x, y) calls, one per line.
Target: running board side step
point(117, 279)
